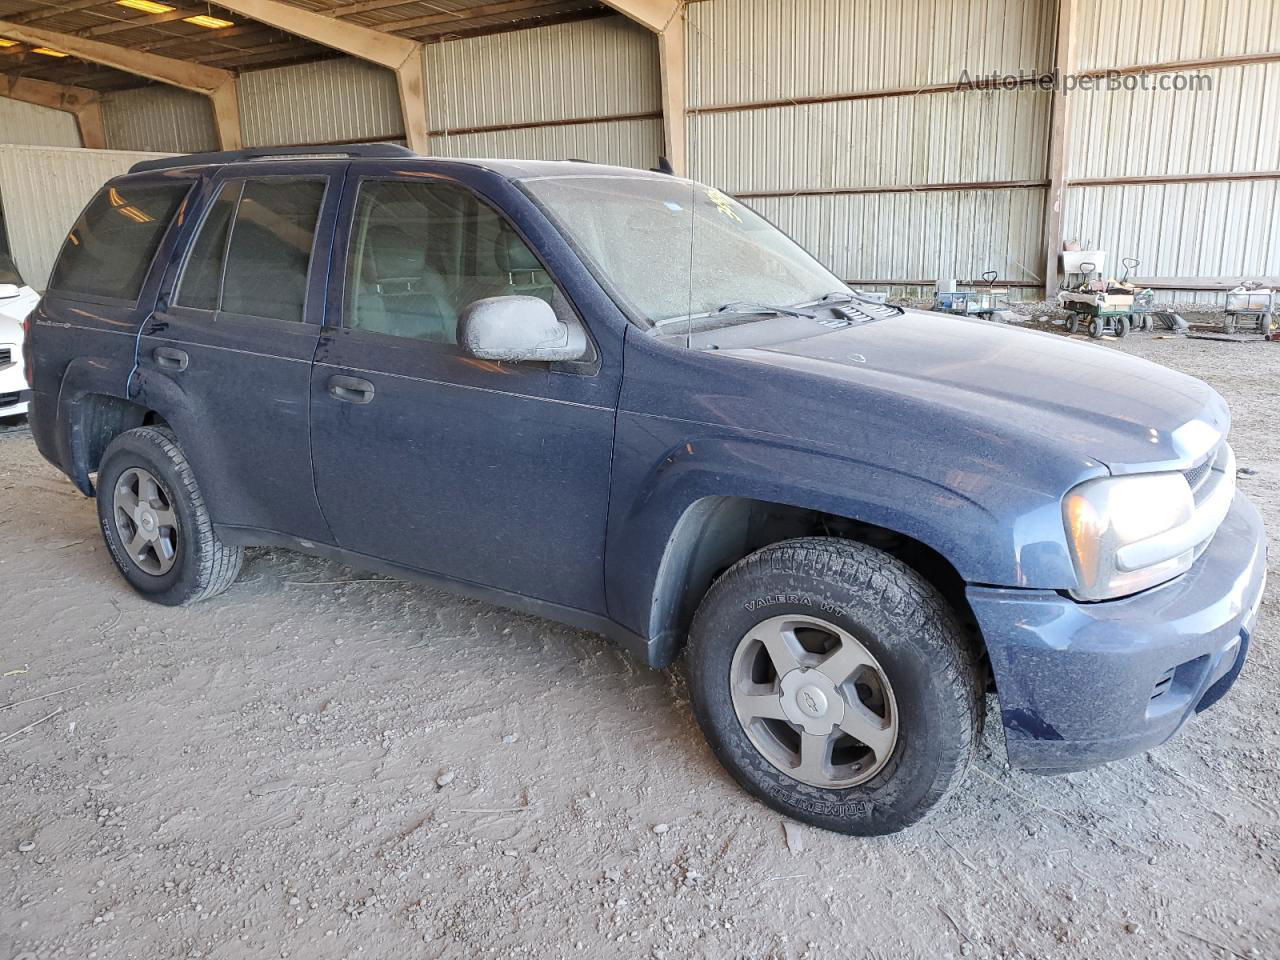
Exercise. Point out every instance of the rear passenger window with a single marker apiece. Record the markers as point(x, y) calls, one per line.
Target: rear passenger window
point(202, 279)
point(110, 248)
point(253, 252)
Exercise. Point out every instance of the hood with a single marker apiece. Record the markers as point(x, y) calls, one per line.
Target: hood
point(13, 310)
point(1127, 413)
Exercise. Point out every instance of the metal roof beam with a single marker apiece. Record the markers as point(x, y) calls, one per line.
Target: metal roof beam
point(179, 73)
point(351, 38)
point(657, 15)
point(219, 85)
point(666, 19)
point(403, 56)
point(80, 102)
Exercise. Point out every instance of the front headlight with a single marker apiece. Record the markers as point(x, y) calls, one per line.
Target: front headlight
point(1141, 512)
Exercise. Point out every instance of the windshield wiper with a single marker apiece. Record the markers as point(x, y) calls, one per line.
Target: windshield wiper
point(860, 298)
point(740, 308)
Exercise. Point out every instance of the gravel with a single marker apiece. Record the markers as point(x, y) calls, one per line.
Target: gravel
point(257, 776)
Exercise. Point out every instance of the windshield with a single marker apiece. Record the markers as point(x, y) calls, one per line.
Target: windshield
point(672, 248)
point(9, 271)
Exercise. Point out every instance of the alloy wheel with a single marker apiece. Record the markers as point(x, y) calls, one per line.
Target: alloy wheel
point(145, 521)
point(814, 701)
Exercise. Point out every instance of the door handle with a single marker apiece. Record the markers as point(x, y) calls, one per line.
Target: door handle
point(170, 359)
point(351, 389)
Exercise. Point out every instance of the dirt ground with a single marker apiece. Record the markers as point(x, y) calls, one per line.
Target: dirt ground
point(322, 765)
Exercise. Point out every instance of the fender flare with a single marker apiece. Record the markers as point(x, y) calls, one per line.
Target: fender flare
point(103, 377)
point(659, 524)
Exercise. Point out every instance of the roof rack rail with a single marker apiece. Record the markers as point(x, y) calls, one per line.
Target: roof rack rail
point(363, 150)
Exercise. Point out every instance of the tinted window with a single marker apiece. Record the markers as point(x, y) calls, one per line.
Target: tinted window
point(111, 246)
point(202, 276)
point(270, 249)
point(421, 252)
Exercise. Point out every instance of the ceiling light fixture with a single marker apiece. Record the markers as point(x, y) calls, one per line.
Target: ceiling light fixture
point(146, 6)
point(48, 52)
point(211, 23)
point(5, 42)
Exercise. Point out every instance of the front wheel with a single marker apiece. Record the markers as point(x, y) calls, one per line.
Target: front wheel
point(155, 523)
point(835, 684)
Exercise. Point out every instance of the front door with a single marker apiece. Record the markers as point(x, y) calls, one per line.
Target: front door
point(236, 331)
point(489, 473)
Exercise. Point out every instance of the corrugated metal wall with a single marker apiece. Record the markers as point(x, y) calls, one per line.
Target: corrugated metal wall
point(884, 142)
point(833, 117)
point(751, 60)
point(321, 102)
point(1188, 230)
point(1183, 232)
point(26, 123)
point(749, 51)
point(1232, 128)
point(593, 68)
point(43, 190)
point(630, 143)
point(872, 238)
point(1126, 33)
point(159, 118)
point(604, 69)
point(523, 93)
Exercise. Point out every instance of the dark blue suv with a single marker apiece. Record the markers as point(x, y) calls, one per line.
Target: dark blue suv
point(624, 401)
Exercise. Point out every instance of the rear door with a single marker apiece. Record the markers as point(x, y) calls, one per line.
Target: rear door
point(235, 331)
point(490, 473)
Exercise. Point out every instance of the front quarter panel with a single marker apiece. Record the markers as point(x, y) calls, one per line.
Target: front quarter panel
point(694, 425)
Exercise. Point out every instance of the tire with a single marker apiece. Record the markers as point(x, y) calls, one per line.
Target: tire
point(1229, 324)
point(914, 639)
point(1073, 323)
point(1095, 328)
point(1121, 327)
point(185, 561)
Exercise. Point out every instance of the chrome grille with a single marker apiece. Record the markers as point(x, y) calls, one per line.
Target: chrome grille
point(6, 356)
point(1198, 474)
point(1205, 477)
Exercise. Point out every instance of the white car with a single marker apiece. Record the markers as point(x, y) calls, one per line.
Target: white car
point(16, 301)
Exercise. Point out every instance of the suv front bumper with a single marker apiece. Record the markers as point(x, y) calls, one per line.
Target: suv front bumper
point(1084, 683)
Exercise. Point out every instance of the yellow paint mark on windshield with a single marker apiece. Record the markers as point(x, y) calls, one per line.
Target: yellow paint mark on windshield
point(723, 204)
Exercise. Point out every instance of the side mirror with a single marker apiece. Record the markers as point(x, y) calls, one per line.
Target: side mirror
point(9, 290)
point(518, 328)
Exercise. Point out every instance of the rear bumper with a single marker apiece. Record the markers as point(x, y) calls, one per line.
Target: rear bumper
point(1084, 683)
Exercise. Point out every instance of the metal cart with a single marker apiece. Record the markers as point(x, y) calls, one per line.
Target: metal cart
point(1143, 315)
point(1104, 308)
point(1257, 306)
point(982, 302)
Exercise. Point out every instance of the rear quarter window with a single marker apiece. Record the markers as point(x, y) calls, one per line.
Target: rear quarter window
point(110, 248)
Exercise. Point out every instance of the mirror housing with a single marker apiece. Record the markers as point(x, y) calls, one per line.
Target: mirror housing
point(9, 290)
point(519, 328)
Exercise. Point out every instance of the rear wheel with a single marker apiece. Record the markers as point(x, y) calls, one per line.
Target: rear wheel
point(155, 523)
point(1121, 326)
point(835, 684)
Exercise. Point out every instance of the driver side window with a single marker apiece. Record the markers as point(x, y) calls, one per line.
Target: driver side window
point(421, 252)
